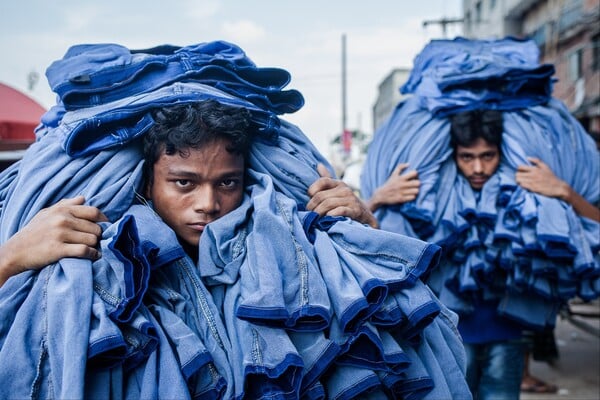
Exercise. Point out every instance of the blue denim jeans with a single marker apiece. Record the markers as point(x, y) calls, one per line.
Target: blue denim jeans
point(94, 74)
point(494, 370)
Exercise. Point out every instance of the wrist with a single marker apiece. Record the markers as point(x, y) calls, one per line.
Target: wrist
point(8, 264)
point(566, 193)
point(373, 204)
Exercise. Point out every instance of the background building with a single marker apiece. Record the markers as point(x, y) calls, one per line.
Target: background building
point(568, 35)
point(389, 95)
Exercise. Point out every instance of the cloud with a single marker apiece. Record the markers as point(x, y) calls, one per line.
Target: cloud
point(243, 31)
point(200, 10)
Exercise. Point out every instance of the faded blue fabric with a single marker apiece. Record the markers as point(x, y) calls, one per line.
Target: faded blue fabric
point(509, 245)
point(456, 75)
point(94, 74)
point(495, 369)
point(89, 130)
point(356, 342)
point(280, 304)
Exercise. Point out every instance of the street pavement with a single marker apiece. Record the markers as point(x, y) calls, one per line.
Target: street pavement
point(577, 370)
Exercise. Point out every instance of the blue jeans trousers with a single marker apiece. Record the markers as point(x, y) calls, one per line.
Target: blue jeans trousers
point(495, 369)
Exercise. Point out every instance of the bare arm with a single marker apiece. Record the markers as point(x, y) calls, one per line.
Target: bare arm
point(66, 229)
point(539, 178)
point(333, 197)
point(397, 189)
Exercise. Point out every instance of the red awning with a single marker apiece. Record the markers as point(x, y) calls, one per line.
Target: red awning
point(19, 115)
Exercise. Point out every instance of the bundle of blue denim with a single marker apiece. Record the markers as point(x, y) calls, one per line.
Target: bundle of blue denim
point(531, 252)
point(282, 304)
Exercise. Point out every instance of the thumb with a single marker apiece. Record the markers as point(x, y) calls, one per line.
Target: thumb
point(323, 171)
point(399, 168)
point(77, 200)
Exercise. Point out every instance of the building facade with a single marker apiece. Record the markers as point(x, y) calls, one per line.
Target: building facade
point(389, 95)
point(568, 35)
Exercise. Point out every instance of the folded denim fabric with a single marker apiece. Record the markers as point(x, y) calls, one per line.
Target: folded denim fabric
point(95, 74)
point(254, 317)
point(517, 240)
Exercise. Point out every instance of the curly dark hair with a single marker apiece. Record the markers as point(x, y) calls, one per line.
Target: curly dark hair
point(182, 127)
point(468, 126)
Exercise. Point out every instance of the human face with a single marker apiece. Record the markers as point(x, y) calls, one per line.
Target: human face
point(192, 191)
point(477, 162)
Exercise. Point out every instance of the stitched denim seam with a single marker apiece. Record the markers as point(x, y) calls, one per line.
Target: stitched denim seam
point(202, 303)
point(256, 353)
point(301, 259)
point(358, 251)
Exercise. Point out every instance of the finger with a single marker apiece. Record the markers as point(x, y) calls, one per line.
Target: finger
point(323, 171)
point(411, 175)
point(525, 168)
point(81, 251)
point(321, 185)
point(535, 160)
point(411, 191)
point(89, 213)
point(326, 206)
point(77, 200)
point(399, 168)
point(413, 183)
point(84, 238)
point(406, 197)
point(341, 211)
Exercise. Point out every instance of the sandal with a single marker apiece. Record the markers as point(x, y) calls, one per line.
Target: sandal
point(535, 385)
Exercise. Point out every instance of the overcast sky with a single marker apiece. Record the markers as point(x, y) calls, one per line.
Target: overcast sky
point(303, 37)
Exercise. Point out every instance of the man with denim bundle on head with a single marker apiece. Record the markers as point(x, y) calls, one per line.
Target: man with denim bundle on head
point(195, 173)
point(203, 249)
point(494, 344)
point(195, 157)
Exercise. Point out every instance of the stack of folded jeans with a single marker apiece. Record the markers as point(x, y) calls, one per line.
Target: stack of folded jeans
point(282, 304)
point(529, 251)
point(461, 74)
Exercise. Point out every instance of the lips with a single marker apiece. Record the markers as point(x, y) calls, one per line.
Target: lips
point(197, 226)
point(478, 179)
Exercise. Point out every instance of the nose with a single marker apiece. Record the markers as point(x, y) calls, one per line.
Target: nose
point(206, 200)
point(477, 166)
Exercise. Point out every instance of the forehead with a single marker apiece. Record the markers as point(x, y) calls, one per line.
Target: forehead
point(480, 146)
point(212, 156)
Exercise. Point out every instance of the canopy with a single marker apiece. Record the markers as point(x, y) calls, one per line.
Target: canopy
point(19, 115)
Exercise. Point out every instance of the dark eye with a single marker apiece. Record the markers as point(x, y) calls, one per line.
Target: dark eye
point(182, 183)
point(488, 156)
point(466, 157)
point(230, 183)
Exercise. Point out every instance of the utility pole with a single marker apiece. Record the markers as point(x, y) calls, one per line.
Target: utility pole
point(443, 22)
point(344, 83)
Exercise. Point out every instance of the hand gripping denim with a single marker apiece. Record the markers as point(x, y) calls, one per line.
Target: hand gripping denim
point(509, 230)
point(108, 180)
point(356, 343)
point(150, 310)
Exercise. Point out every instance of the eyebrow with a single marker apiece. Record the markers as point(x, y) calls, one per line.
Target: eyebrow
point(470, 153)
point(177, 173)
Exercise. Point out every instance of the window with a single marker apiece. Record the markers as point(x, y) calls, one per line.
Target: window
point(570, 15)
point(539, 36)
point(575, 70)
point(478, 11)
point(596, 52)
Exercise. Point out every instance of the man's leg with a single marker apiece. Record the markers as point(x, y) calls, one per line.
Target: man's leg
point(473, 355)
point(502, 371)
